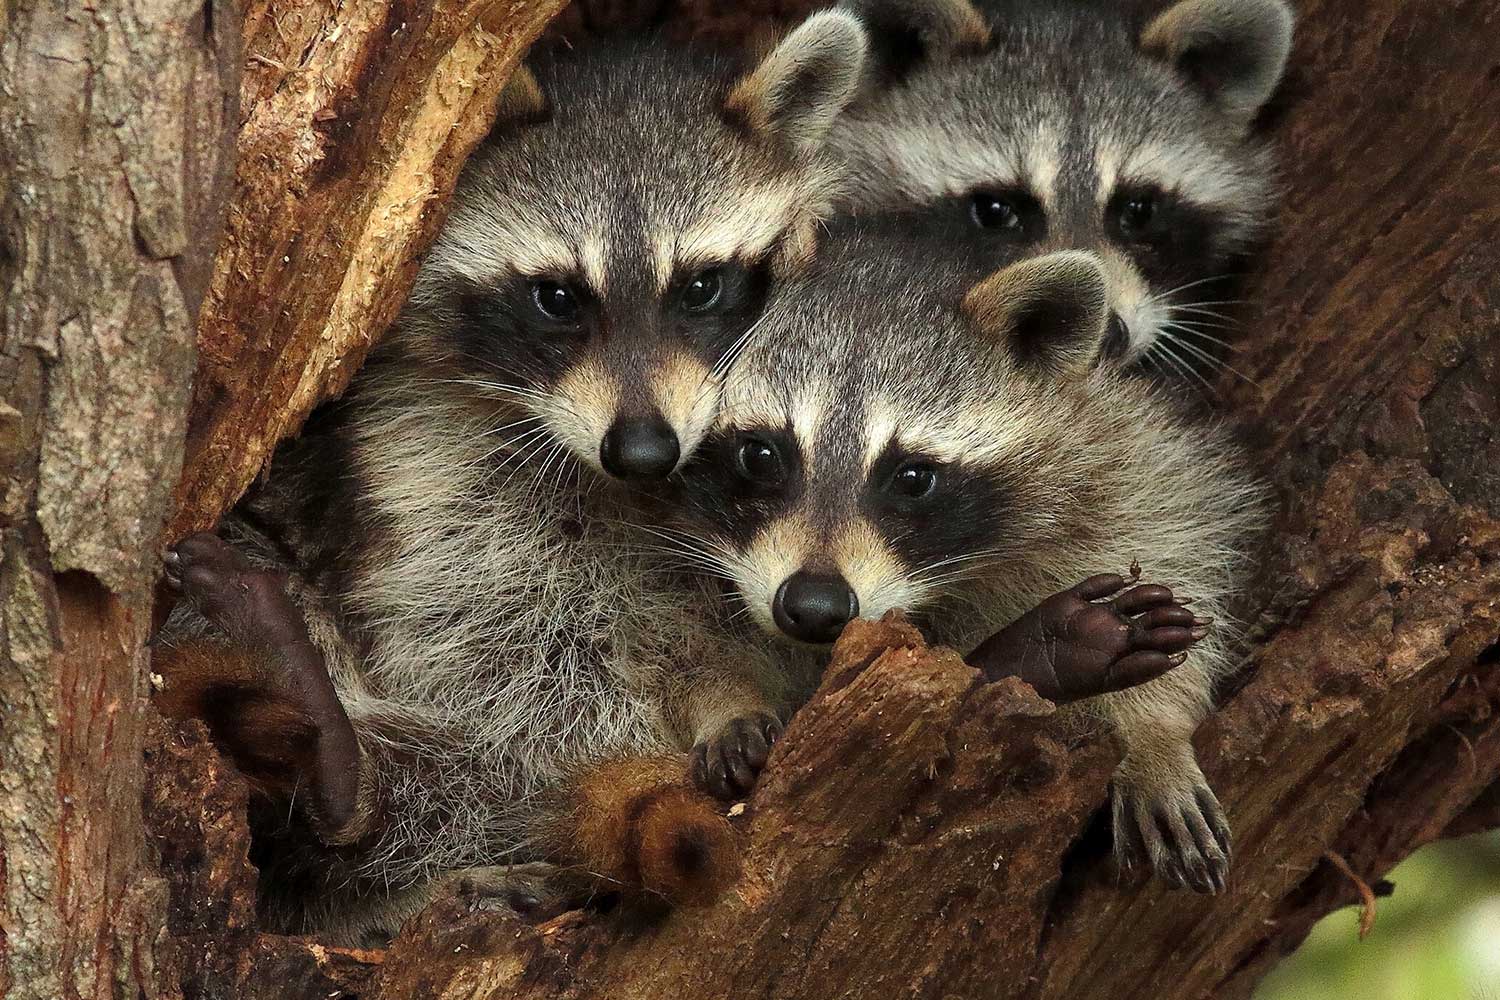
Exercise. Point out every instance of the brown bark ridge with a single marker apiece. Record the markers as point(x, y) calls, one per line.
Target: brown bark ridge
point(918, 835)
point(354, 121)
point(115, 149)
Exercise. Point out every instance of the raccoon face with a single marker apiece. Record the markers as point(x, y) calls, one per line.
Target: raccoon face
point(611, 246)
point(844, 481)
point(1067, 130)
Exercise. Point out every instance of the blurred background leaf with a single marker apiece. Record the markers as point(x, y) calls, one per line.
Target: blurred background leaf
point(1436, 938)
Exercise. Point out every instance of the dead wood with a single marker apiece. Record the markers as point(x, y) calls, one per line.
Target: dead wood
point(354, 121)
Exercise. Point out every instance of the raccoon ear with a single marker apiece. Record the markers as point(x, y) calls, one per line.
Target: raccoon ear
point(906, 33)
point(1050, 312)
point(521, 99)
point(806, 82)
point(1233, 50)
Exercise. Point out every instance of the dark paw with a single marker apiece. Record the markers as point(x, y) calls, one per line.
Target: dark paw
point(533, 892)
point(1179, 833)
point(726, 765)
point(248, 604)
point(284, 726)
point(1105, 634)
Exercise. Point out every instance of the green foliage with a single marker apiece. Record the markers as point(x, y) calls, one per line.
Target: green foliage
point(1436, 938)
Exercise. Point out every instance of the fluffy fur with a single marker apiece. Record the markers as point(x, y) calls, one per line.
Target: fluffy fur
point(1071, 128)
point(889, 363)
point(501, 624)
point(629, 186)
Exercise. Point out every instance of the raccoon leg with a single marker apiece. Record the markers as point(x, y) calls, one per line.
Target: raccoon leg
point(1093, 639)
point(727, 762)
point(312, 737)
point(535, 891)
point(1165, 814)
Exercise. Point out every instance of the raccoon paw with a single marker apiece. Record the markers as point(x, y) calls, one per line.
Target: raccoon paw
point(282, 724)
point(726, 764)
point(534, 892)
point(1178, 829)
point(1093, 638)
point(248, 604)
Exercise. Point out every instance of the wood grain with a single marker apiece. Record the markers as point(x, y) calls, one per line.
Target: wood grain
point(355, 120)
point(114, 150)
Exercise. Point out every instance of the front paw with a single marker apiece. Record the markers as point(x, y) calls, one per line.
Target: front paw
point(727, 763)
point(1176, 826)
point(1105, 634)
point(280, 721)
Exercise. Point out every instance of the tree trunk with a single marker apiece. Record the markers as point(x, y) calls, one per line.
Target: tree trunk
point(115, 143)
point(118, 127)
point(916, 835)
point(355, 120)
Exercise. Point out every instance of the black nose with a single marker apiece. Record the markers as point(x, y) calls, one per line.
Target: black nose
point(814, 607)
point(1116, 337)
point(639, 448)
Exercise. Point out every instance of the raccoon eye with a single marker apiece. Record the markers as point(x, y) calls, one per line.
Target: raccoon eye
point(555, 300)
point(1136, 215)
point(703, 291)
point(913, 481)
point(758, 461)
point(996, 211)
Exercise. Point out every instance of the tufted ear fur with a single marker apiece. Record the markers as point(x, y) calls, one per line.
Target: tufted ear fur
point(904, 34)
point(521, 101)
point(1048, 312)
point(793, 97)
point(1233, 50)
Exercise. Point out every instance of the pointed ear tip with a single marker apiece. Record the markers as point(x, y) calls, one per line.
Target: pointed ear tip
point(835, 22)
point(1276, 18)
point(522, 95)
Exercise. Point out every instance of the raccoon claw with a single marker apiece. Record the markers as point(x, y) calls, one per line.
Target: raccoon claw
point(1186, 844)
point(1094, 638)
point(727, 764)
point(248, 604)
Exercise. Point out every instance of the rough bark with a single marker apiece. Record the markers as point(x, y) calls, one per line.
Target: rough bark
point(115, 145)
point(918, 835)
point(354, 121)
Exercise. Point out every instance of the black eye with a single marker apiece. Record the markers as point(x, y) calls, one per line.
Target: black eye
point(996, 211)
point(556, 300)
point(1137, 214)
point(758, 461)
point(913, 481)
point(703, 291)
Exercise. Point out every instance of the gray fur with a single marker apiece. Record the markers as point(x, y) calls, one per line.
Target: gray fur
point(1068, 104)
point(1099, 470)
point(494, 614)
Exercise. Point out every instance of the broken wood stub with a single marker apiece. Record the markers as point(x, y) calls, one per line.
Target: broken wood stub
point(355, 121)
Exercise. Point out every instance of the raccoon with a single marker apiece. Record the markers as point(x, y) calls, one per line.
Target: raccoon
point(622, 229)
point(1041, 125)
point(902, 437)
point(507, 640)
